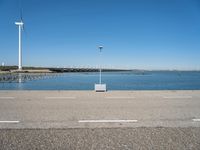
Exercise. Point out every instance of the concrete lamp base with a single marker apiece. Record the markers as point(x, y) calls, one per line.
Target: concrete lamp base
point(100, 87)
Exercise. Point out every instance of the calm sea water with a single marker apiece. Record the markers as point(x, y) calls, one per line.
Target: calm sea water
point(150, 80)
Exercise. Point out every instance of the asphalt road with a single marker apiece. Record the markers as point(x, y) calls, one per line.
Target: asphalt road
point(89, 120)
point(101, 139)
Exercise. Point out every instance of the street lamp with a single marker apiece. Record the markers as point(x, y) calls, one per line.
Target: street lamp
point(100, 50)
point(100, 87)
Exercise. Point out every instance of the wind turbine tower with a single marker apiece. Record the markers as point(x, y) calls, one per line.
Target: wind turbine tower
point(20, 24)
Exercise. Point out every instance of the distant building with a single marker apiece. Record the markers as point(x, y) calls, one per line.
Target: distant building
point(3, 64)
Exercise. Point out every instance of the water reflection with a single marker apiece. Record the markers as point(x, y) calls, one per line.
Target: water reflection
point(19, 78)
point(20, 84)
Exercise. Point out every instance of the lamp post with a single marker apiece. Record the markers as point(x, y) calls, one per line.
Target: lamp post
point(100, 87)
point(100, 50)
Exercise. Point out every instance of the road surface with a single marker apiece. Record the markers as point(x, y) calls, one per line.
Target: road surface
point(107, 120)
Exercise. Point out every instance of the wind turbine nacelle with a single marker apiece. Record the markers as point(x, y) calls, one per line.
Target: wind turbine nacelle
point(19, 23)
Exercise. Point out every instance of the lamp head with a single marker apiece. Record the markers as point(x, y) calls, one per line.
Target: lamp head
point(100, 47)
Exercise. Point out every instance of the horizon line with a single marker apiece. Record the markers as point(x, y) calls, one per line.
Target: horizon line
point(111, 68)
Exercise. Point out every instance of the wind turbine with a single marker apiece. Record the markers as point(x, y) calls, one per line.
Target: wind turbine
point(20, 24)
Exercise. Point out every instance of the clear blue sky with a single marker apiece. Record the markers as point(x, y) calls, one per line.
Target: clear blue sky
point(138, 34)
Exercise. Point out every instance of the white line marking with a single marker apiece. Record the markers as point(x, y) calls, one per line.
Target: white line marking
point(196, 120)
point(106, 121)
point(60, 97)
point(119, 97)
point(9, 121)
point(7, 98)
point(177, 97)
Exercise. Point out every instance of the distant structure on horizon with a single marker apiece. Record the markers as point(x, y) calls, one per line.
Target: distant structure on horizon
point(2, 64)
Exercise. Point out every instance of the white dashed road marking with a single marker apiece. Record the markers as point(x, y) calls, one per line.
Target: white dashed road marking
point(60, 97)
point(196, 120)
point(107, 121)
point(9, 121)
point(7, 98)
point(177, 97)
point(120, 97)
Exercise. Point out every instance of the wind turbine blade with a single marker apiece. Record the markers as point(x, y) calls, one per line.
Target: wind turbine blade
point(24, 30)
point(21, 16)
point(20, 10)
point(22, 27)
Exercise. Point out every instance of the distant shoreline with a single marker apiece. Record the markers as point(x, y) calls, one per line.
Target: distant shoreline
point(14, 69)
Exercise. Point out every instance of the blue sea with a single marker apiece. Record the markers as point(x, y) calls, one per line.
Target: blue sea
point(129, 80)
